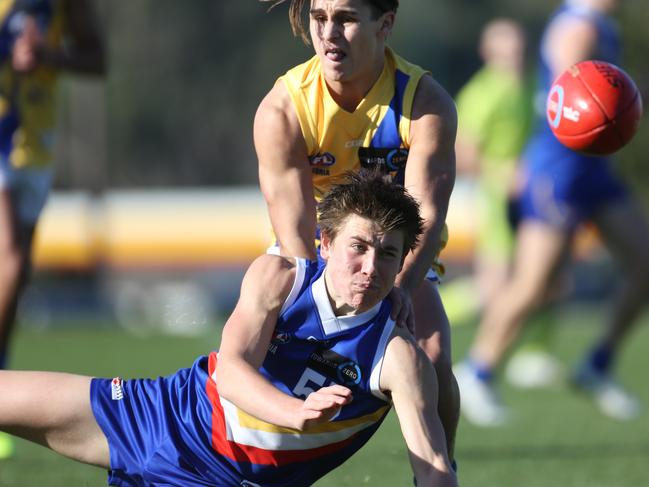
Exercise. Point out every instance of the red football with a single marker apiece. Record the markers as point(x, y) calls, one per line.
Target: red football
point(594, 107)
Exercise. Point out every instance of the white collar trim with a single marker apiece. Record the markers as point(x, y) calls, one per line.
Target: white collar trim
point(331, 323)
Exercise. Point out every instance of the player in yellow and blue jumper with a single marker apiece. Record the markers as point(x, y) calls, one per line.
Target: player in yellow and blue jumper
point(38, 40)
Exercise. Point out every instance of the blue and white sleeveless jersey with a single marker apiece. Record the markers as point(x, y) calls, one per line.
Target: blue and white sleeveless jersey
point(177, 430)
point(311, 348)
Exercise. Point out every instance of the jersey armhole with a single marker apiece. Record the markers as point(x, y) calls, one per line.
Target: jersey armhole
point(300, 273)
point(407, 104)
point(299, 104)
point(375, 375)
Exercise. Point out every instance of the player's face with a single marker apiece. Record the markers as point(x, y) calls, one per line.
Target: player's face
point(362, 264)
point(348, 41)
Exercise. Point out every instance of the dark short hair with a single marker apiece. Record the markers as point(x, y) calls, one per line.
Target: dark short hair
point(379, 7)
point(373, 196)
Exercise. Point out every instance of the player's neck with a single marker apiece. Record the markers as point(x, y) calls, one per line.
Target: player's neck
point(348, 94)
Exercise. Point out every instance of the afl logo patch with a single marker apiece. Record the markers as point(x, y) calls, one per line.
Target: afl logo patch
point(349, 373)
point(326, 159)
point(281, 338)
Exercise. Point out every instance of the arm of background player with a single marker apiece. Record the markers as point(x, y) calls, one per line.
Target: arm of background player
point(430, 173)
point(569, 41)
point(244, 344)
point(409, 377)
point(83, 50)
point(285, 175)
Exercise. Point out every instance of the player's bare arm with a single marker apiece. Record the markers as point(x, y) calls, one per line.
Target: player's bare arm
point(409, 378)
point(245, 340)
point(570, 41)
point(430, 172)
point(284, 174)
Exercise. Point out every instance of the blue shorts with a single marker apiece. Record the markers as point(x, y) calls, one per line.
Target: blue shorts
point(564, 188)
point(159, 430)
point(29, 189)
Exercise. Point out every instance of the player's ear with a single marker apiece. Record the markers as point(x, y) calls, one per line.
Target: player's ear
point(325, 245)
point(387, 22)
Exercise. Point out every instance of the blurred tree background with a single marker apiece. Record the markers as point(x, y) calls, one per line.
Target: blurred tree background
point(185, 78)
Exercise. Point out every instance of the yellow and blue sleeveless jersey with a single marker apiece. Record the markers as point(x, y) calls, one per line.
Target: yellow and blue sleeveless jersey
point(338, 141)
point(377, 133)
point(28, 100)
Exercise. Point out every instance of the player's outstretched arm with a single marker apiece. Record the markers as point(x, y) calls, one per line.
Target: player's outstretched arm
point(284, 174)
point(430, 172)
point(409, 377)
point(245, 341)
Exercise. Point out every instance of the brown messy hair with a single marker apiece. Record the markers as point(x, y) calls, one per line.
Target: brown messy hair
point(379, 7)
point(371, 195)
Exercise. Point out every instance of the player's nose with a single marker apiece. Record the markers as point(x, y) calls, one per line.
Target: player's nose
point(369, 263)
point(330, 30)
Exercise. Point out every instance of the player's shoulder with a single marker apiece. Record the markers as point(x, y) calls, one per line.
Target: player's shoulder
point(269, 265)
point(276, 115)
point(432, 98)
point(402, 341)
point(279, 96)
point(272, 274)
point(276, 101)
point(402, 349)
point(403, 360)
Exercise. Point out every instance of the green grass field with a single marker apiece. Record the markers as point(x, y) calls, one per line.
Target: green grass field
point(557, 437)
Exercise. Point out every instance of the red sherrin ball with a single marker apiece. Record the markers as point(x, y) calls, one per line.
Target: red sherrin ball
point(594, 107)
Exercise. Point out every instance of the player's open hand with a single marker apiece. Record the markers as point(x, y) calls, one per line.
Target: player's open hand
point(322, 405)
point(402, 312)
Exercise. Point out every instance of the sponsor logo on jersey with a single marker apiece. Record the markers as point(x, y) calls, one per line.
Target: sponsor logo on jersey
point(349, 373)
point(386, 159)
point(353, 143)
point(336, 367)
point(116, 389)
point(323, 160)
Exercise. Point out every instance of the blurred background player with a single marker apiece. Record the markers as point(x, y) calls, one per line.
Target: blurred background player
point(358, 104)
point(561, 190)
point(494, 115)
point(38, 39)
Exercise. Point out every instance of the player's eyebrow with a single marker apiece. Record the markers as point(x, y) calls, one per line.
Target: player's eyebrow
point(340, 11)
point(370, 243)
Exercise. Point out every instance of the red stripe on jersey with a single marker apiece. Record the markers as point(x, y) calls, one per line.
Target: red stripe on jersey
point(251, 454)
